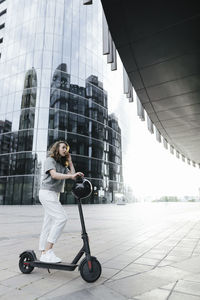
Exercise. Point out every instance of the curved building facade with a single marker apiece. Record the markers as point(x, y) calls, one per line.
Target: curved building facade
point(52, 78)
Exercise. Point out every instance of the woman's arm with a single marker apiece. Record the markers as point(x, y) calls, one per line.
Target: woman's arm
point(60, 176)
point(71, 166)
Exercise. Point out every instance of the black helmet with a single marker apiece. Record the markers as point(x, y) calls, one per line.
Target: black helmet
point(82, 188)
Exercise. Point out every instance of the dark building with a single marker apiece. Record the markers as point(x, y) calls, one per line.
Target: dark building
point(80, 115)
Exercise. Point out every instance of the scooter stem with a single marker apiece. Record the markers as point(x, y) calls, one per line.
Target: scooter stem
point(81, 216)
point(86, 246)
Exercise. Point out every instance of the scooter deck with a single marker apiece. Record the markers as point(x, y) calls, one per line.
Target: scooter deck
point(57, 266)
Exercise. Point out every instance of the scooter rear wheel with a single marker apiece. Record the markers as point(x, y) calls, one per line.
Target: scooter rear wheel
point(90, 275)
point(24, 263)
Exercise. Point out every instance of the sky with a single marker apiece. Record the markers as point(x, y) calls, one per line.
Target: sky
point(150, 169)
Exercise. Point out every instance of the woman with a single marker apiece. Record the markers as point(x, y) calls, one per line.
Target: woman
point(55, 173)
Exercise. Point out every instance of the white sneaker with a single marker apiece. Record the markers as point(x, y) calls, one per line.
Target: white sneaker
point(50, 257)
point(54, 257)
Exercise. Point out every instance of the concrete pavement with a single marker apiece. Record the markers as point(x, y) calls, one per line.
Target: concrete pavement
point(147, 251)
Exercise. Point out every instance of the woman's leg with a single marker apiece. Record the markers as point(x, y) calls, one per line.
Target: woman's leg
point(46, 227)
point(49, 246)
point(58, 216)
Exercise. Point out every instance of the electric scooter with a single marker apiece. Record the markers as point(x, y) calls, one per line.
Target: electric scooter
point(89, 267)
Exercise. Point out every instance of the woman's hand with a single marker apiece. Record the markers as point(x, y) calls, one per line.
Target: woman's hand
point(69, 158)
point(77, 174)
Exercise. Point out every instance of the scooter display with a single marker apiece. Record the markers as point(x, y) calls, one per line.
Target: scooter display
point(89, 267)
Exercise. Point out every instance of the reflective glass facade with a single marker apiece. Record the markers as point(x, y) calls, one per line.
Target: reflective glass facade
point(52, 78)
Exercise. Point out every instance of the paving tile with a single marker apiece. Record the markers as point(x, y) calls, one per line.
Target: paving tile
point(17, 294)
point(147, 261)
point(193, 277)
point(191, 264)
point(138, 268)
point(41, 287)
point(115, 264)
point(165, 262)
point(169, 286)
point(157, 256)
point(181, 296)
point(4, 290)
point(70, 287)
point(108, 273)
point(169, 273)
point(181, 253)
point(4, 274)
point(156, 294)
point(188, 287)
point(121, 274)
point(103, 292)
point(176, 258)
point(135, 285)
point(19, 281)
point(96, 293)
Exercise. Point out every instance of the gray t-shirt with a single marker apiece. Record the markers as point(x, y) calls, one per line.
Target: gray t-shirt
point(48, 183)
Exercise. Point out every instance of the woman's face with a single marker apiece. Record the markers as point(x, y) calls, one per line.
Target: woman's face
point(63, 149)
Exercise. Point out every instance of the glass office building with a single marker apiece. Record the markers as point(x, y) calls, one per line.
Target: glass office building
point(52, 78)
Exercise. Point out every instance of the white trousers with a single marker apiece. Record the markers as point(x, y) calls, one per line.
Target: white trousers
point(55, 218)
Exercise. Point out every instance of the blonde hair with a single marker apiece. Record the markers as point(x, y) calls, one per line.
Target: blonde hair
point(54, 152)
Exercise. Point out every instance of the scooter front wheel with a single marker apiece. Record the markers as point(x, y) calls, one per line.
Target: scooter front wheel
point(90, 271)
point(24, 263)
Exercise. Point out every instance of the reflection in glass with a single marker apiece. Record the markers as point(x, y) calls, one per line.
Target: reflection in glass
point(28, 100)
point(80, 115)
point(57, 61)
point(14, 189)
point(25, 140)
